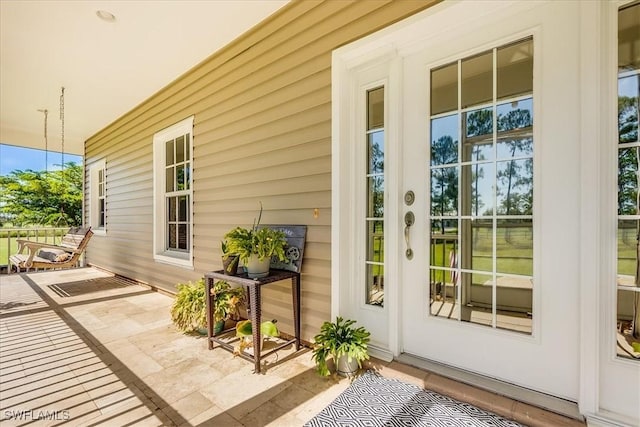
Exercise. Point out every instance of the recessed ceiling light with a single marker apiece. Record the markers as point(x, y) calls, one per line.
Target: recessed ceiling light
point(106, 16)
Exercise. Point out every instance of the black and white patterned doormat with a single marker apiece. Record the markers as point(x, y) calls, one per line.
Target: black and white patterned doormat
point(372, 400)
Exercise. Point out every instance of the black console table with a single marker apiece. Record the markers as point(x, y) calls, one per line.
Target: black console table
point(252, 286)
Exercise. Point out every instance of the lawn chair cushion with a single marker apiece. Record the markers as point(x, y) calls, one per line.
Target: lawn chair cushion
point(54, 255)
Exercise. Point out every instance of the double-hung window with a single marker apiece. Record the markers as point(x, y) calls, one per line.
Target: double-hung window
point(98, 193)
point(173, 196)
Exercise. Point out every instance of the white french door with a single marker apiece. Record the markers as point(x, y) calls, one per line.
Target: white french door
point(473, 182)
point(488, 139)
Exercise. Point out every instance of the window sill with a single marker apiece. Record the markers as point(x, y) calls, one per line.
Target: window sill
point(178, 260)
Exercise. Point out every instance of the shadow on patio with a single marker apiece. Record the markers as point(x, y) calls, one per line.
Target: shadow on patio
point(84, 347)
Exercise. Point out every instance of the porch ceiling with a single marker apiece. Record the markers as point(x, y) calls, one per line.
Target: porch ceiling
point(107, 68)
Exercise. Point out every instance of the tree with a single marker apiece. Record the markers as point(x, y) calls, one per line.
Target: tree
point(43, 197)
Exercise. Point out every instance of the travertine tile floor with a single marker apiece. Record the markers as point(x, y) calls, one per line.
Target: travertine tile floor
point(112, 357)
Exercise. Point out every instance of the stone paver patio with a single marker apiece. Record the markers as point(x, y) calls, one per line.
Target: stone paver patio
point(82, 347)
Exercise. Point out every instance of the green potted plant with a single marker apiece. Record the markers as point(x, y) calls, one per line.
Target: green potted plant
point(256, 246)
point(229, 260)
point(345, 343)
point(189, 309)
point(244, 331)
point(225, 304)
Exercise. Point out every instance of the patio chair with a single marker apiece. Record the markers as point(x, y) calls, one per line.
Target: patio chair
point(38, 255)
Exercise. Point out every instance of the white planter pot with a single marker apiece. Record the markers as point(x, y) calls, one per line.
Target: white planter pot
point(256, 268)
point(346, 368)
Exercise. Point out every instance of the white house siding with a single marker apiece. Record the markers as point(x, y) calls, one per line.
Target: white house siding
point(262, 132)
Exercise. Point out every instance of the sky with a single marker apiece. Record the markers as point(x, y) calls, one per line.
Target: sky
point(14, 158)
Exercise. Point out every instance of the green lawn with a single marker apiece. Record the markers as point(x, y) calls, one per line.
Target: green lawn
point(514, 251)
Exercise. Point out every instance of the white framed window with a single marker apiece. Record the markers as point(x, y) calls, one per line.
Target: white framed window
point(98, 197)
point(173, 194)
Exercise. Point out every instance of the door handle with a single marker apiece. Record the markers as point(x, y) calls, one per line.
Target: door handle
point(409, 220)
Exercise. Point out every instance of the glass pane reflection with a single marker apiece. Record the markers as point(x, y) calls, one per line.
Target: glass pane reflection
point(514, 240)
point(515, 187)
point(375, 108)
point(444, 140)
point(515, 69)
point(375, 153)
point(444, 191)
point(375, 197)
point(477, 189)
point(477, 79)
point(375, 236)
point(628, 93)
point(627, 237)
point(628, 181)
point(375, 285)
point(444, 89)
point(476, 247)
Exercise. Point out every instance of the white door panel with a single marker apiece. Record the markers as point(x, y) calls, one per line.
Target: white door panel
point(545, 359)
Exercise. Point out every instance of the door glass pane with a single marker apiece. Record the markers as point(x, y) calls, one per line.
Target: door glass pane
point(628, 108)
point(477, 189)
point(478, 135)
point(444, 89)
point(514, 298)
point(444, 140)
point(477, 80)
point(476, 247)
point(476, 298)
point(515, 69)
point(375, 153)
point(376, 197)
point(444, 243)
point(514, 251)
point(514, 180)
point(444, 191)
point(628, 35)
point(375, 108)
point(515, 115)
point(627, 333)
point(375, 284)
point(375, 263)
point(628, 181)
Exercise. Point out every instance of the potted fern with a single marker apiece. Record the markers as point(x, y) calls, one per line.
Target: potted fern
point(345, 343)
point(256, 246)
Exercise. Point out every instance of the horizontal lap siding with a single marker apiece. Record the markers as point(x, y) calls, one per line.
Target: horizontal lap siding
point(262, 133)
